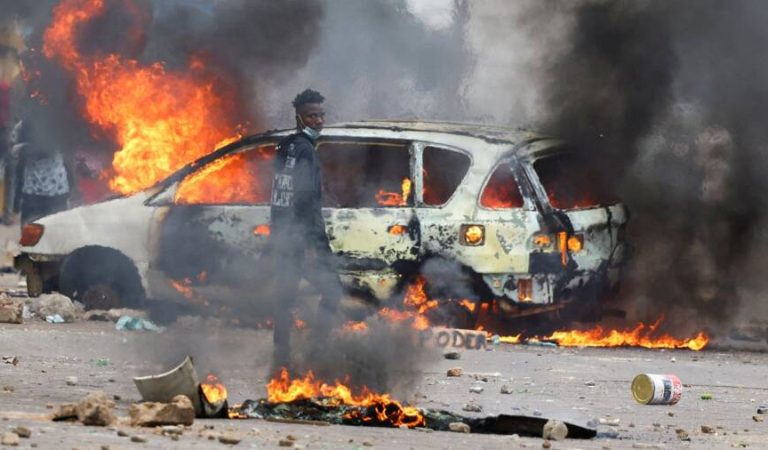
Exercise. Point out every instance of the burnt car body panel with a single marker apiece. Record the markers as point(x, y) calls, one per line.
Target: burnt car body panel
point(213, 251)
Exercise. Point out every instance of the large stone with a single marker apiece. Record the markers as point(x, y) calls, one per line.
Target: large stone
point(179, 411)
point(95, 409)
point(55, 303)
point(554, 430)
point(10, 439)
point(11, 310)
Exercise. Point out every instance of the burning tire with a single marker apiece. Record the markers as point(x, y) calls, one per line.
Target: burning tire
point(101, 278)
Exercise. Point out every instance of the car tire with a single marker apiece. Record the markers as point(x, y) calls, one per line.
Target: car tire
point(101, 278)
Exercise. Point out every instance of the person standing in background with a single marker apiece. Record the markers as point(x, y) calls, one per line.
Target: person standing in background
point(43, 182)
point(11, 47)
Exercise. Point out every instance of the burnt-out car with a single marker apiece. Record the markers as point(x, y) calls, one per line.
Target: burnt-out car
point(490, 213)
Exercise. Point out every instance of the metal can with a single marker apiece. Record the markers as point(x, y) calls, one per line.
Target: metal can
point(655, 389)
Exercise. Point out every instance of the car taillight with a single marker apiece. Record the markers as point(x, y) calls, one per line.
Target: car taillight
point(473, 235)
point(576, 243)
point(31, 234)
point(542, 240)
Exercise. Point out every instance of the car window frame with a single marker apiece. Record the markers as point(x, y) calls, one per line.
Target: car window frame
point(166, 196)
point(418, 182)
point(409, 145)
point(538, 186)
point(517, 169)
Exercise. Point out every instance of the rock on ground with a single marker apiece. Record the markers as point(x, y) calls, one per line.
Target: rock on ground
point(554, 430)
point(179, 411)
point(10, 439)
point(11, 310)
point(230, 439)
point(22, 431)
point(459, 427)
point(55, 303)
point(67, 411)
point(95, 409)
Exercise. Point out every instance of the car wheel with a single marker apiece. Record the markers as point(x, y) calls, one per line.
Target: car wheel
point(101, 278)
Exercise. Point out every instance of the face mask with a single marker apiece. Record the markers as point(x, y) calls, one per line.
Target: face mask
point(311, 133)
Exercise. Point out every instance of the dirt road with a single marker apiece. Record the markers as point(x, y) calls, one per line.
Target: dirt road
point(573, 384)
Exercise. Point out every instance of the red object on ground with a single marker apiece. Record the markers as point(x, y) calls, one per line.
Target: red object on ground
point(5, 103)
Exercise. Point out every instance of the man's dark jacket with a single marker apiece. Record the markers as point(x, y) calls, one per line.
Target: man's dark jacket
point(297, 193)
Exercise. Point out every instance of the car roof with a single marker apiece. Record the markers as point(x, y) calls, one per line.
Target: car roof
point(490, 133)
point(494, 134)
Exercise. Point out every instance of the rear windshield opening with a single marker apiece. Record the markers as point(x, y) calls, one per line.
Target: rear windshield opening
point(365, 175)
point(571, 184)
point(502, 192)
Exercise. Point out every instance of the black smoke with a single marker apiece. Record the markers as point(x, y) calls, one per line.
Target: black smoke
point(668, 99)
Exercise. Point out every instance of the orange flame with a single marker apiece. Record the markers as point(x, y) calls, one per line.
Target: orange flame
point(640, 336)
point(397, 230)
point(213, 390)
point(384, 198)
point(184, 287)
point(355, 326)
point(161, 120)
point(284, 389)
point(262, 230)
point(184, 290)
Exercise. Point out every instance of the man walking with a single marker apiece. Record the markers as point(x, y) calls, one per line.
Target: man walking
point(297, 225)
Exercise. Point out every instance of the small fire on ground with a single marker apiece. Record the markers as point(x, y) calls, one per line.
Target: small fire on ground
point(417, 307)
point(358, 406)
point(378, 408)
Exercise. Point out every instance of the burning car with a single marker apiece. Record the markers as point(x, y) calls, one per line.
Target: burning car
point(481, 212)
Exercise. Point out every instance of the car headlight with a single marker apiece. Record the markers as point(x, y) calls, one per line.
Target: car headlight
point(31, 234)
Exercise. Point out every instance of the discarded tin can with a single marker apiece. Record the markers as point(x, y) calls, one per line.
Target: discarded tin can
point(655, 389)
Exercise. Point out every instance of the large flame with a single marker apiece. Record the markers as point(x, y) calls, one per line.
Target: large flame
point(283, 388)
point(213, 390)
point(161, 120)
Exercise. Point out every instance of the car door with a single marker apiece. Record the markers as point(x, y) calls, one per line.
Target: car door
point(210, 234)
point(368, 209)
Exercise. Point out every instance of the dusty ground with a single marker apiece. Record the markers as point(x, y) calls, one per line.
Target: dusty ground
point(570, 384)
point(552, 381)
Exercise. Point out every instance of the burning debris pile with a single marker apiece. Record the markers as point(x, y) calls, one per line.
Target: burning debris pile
point(307, 399)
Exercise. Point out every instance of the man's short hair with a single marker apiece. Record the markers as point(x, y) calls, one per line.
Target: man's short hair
point(307, 97)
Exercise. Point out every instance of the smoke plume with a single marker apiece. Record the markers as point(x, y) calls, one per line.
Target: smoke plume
point(667, 101)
